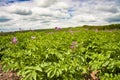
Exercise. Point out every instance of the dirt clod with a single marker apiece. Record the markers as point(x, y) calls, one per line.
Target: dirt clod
point(10, 75)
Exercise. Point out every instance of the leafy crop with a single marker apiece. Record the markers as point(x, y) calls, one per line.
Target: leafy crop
point(62, 55)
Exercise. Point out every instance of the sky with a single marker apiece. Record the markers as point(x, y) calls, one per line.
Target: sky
point(43, 14)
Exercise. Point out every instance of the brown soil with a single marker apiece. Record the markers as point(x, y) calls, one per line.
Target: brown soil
point(10, 75)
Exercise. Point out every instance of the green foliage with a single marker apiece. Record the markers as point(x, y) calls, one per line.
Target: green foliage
point(105, 27)
point(49, 55)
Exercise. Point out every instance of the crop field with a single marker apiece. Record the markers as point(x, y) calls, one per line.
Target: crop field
point(62, 54)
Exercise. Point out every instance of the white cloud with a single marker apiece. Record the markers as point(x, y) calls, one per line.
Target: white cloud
point(50, 13)
point(84, 18)
point(44, 3)
point(60, 5)
point(108, 8)
point(113, 18)
point(19, 8)
point(4, 19)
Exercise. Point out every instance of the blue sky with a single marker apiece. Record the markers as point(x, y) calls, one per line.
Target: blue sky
point(42, 14)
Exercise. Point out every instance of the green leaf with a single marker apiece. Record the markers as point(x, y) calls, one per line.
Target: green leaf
point(106, 63)
point(34, 75)
point(38, 68)
point(49, 73)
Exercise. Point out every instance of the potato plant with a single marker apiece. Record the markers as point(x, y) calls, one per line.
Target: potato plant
point(62, 54)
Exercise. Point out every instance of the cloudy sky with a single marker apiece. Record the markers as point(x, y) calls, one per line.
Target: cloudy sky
point(42, 14)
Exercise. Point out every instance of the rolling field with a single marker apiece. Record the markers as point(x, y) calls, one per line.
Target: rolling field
point(62, 54)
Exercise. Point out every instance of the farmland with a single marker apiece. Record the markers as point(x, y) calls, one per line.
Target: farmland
point(65, 54)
